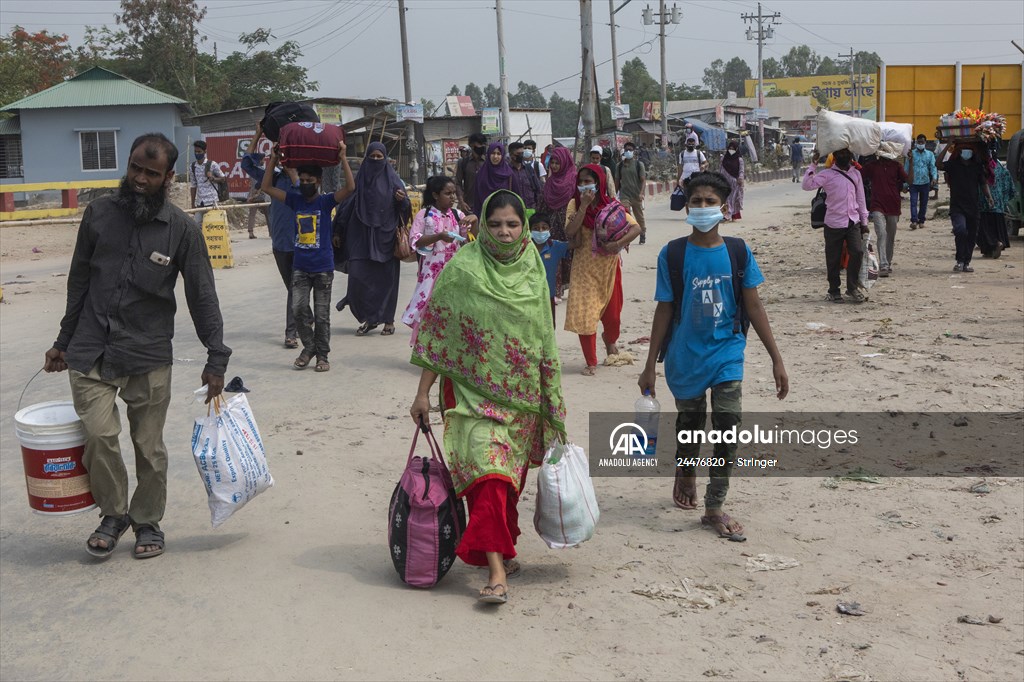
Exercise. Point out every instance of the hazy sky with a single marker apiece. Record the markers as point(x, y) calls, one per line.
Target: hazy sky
point(352, 47)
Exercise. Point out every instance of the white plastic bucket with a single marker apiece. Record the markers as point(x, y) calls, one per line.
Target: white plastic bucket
point(52, 448)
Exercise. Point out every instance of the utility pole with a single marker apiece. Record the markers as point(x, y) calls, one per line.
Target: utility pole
point(588, 114)
point(760, 34)
point(615, 72)
point(410, 126)
point(674, 17)
point(506, 124)
point(851, 61)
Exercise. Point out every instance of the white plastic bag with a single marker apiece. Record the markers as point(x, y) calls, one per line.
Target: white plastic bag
point(566, 512)
point(902, 133)
point(838, 131)
point(869, 264)
point(230, 457)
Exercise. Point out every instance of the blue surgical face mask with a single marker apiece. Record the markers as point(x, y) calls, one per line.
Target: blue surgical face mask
point(704, 218)
point(966, 154)
point(541, 236)
point(920, 146)
point(527, 154)
point(627, 155)
point(585, 188)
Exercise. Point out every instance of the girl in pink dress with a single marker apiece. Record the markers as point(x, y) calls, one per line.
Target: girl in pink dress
point(436, 233)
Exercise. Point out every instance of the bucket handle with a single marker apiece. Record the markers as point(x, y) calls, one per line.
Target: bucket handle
point(22, 397)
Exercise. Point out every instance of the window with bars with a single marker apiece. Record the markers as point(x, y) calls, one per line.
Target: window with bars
point(99, 149)
point(10, 157)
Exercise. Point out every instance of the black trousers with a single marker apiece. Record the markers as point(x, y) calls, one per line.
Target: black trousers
point(834, 240)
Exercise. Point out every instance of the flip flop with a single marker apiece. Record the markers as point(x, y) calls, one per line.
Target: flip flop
point(388, 330)
point(110, 530)
point(146, 536)
point(723, 519)
point(488, 595)
point(365, 328)
point(512, 568)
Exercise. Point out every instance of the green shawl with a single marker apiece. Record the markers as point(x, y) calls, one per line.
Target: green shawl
point(488, 327)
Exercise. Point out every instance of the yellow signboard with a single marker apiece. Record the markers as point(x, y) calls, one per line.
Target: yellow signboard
point(218, 239)
point(838, 91)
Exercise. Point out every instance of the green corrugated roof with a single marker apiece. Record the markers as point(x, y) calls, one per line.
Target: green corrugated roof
point(96, 87)
point(10, 125)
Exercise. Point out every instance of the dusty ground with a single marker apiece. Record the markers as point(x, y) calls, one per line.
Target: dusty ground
point(299, 584)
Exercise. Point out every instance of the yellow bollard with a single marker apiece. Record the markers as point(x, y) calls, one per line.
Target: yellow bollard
point(218, 239)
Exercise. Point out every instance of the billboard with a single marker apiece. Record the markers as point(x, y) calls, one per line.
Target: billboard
point(652, 111)
point(226, 150)
point(460, 105)
point(837, 91)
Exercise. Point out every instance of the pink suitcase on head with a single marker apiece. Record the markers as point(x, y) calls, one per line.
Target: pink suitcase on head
point(310, 144)
point(425, 518)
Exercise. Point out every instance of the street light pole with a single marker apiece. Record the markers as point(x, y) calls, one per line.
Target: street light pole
point(410, 127)
point(760, 33)
point(506, 124)
point(664, 90)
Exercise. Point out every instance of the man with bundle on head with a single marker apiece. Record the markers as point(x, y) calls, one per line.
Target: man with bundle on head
point(116, 338)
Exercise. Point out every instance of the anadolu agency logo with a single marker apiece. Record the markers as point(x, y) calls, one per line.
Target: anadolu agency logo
point(628, 445)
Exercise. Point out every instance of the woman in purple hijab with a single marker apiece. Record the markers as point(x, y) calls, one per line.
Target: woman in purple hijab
point(495, 174)
point(559, 190)
point(371, 217)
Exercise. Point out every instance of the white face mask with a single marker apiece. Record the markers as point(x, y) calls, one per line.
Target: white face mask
point(586, 188)
point(732, 151)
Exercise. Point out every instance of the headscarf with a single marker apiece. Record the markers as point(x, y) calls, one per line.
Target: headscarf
point(731, 162)
point(488, 328)
point(560, 186)
point(491, 178)
point(600, 200)
point(373, 202)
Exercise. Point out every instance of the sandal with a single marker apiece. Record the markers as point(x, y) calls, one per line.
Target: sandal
point(291, 342)
point(490, 595)
point(302, 361)
point(589, 371)
point(322, 366)
point(365, 328)
point(148, 536)
point(712, 521)
point(110, 530)
point(388, 330)
point(512, 568)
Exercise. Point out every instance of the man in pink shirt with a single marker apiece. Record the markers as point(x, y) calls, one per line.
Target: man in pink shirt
point(846, 221)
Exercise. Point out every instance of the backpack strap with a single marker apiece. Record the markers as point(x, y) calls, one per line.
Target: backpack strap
point(675, 256)
point(738, 260)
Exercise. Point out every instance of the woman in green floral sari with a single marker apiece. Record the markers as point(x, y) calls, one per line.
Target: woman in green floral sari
point(487, 331)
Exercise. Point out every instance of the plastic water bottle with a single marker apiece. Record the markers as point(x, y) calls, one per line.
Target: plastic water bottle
point(648, 411)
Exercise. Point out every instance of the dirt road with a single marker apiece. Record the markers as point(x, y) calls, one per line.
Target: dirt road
point(299, 585)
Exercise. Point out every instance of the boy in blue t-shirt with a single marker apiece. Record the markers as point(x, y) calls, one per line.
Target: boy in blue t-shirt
point(706, 349)
point(313, 262)
point(551, 250)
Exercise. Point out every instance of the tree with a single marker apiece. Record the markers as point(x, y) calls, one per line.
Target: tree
point(682, 91)
point(722, 77)
point(772, 68)
point(527, 97)
point(30, 62)
point(492, 96)
point(454, 91)
point(162, 38)
point(565, 115)
point(429, 108)
point(829, 67)
point(636, 87)
point(474, 93)
point(256, 77)
point(867, 62)
point(801, 60)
